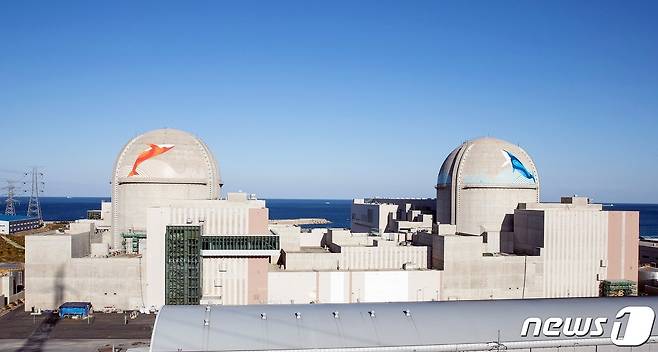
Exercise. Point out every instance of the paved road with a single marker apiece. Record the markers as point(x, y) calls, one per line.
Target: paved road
point(39, 336)
point(20, 332)
point(75, 345)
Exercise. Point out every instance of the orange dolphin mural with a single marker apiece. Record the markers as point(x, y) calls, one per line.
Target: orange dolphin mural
point(153, 151)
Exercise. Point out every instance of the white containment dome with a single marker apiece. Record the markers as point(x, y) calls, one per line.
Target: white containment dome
point(156, 167)
point(481, 183)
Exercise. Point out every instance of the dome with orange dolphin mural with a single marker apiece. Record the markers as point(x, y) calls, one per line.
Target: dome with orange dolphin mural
point(164, 154)
point(156, 167)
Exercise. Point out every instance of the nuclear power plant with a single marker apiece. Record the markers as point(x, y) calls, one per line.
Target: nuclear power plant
point(170, 237)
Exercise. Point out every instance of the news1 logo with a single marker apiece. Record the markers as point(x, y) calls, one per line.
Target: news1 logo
point(636, 330)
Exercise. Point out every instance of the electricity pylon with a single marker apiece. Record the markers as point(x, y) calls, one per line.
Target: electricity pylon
point(33, 207)
point(10, 209)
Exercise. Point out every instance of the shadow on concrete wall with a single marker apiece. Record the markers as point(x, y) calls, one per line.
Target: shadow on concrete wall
point(38, 338)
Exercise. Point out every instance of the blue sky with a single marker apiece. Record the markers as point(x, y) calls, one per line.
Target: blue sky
point(335, 99)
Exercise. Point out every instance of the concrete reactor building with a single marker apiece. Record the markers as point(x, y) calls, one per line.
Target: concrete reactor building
point(494, 239)
point(481, 182)
point(170, 238)
point(157, 167)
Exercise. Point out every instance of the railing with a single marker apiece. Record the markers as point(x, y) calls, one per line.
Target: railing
point(133, 235)
point(224, 243)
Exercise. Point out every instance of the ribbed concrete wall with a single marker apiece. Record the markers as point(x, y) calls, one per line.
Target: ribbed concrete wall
point(234, 281)
point(381, 258)
point(575, 246)
point(353, 286)
point(218, 221)
point(225, 280)
point(222, 217)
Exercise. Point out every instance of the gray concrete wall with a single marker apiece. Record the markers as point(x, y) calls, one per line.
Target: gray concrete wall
point(104, 282)
point(434, 244)
point(489, 209)
point(312, 261)
point(371, 217)
point(573, 242)
point(56, 273)
point(467, 274)
point(289, 237)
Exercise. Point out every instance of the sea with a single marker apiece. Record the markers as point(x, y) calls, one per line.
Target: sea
point(338, 211)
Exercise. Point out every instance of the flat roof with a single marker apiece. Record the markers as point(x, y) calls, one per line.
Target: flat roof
point(4, 217)
point(11, 266)
point(311, 250)
point(75, 305)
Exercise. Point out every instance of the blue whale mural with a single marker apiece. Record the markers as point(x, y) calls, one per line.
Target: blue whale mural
point(518, 166)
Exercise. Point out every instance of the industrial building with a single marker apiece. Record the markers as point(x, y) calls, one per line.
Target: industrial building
point(494, 239)
point(580, 325)
point(11, 282)
point(382, 215)
point(648, 272)
point(169, 238)
point(649, 252)
point(15, 223)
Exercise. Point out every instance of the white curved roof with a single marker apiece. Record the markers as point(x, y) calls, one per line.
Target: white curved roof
point(420, 326)
point(489, 162)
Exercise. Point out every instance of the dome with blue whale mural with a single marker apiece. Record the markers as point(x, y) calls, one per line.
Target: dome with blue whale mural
point(482, 181)
point(489, 161)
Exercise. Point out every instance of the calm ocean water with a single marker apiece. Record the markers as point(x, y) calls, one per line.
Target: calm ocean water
point(648, 216)
point(335, 210)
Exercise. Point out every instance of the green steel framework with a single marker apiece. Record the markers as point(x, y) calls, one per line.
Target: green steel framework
point(183, 265)
point(240, 243)
point(134, 239)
